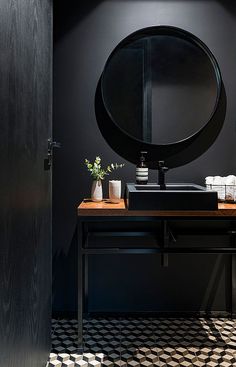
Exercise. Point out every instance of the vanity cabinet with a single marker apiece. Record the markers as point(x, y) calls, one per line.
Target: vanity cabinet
point(90, 214)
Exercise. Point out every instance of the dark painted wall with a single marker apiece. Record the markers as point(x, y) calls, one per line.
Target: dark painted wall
point(85, 34)
point(25, 188)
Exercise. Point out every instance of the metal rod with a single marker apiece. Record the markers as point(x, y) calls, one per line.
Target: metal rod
point(80, 284)
point(178, 232)
point(85, 268)
point(165, 244)
point(169, 250)
point(122, 234)
point(233, 270)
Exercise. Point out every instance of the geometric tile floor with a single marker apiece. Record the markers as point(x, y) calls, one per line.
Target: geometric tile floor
point(145, 342)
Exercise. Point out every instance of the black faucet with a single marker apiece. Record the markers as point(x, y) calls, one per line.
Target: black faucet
point(161, 174)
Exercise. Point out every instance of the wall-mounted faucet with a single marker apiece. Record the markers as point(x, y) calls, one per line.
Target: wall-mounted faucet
point(161, 174)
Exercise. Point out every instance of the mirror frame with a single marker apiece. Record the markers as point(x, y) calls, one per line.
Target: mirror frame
point(174, 154)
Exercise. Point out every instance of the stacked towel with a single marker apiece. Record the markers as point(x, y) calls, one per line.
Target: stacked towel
point(230, 180)
point(225, 186)
point(230, 192)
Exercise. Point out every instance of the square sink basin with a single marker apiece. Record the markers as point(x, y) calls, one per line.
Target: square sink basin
point(181, 196)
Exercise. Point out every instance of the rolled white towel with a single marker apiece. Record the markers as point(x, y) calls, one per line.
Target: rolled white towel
point(219, 186)
point(209, 180)
point(223, 180)
point(230, 180)
point(218, 180)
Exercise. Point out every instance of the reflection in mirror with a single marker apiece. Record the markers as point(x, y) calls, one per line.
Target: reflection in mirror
point(160, 89)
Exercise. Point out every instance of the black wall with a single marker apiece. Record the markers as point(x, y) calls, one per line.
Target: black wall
point(85, 34)
point(25, 188)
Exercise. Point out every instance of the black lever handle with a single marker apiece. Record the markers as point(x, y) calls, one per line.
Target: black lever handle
point(161, 166)
point(51, 146)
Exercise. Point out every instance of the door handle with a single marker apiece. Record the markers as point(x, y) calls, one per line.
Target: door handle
point(51, 145)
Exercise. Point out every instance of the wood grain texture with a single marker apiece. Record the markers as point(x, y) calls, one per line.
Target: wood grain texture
point(105, 208)
point(25, 188)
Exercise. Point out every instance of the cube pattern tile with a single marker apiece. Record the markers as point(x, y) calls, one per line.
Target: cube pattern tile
point(145, 342)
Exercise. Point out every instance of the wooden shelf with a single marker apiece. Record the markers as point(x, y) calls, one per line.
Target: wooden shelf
point(106, 208)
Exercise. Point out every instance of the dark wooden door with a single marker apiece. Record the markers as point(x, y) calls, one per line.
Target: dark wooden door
point(25, 187)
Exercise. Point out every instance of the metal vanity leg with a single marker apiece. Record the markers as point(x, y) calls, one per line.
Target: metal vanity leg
point(233, 272)
point(165, 243)
point(80, 285)
point(85, 269)
point(233, 306)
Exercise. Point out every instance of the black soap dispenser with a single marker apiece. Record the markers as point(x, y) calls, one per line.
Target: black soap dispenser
point(142, 170)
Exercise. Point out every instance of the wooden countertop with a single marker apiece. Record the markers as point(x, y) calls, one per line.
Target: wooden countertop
point(106, 208)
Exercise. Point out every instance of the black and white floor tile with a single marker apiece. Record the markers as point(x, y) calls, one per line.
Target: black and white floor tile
point(139, 342)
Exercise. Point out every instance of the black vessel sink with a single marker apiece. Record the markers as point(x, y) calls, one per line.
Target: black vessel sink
point(176, 197)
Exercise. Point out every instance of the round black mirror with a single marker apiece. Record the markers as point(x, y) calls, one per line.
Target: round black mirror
point(160, 89)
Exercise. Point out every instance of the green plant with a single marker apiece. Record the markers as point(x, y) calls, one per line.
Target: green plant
point(96, 170)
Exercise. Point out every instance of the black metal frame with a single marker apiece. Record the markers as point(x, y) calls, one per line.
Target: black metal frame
point(175, 154)
point(164, 250)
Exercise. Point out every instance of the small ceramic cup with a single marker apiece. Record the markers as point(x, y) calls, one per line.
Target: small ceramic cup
point(115, 191)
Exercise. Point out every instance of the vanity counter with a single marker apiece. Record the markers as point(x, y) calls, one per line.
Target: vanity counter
point(106, 208)
point(90, 213)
